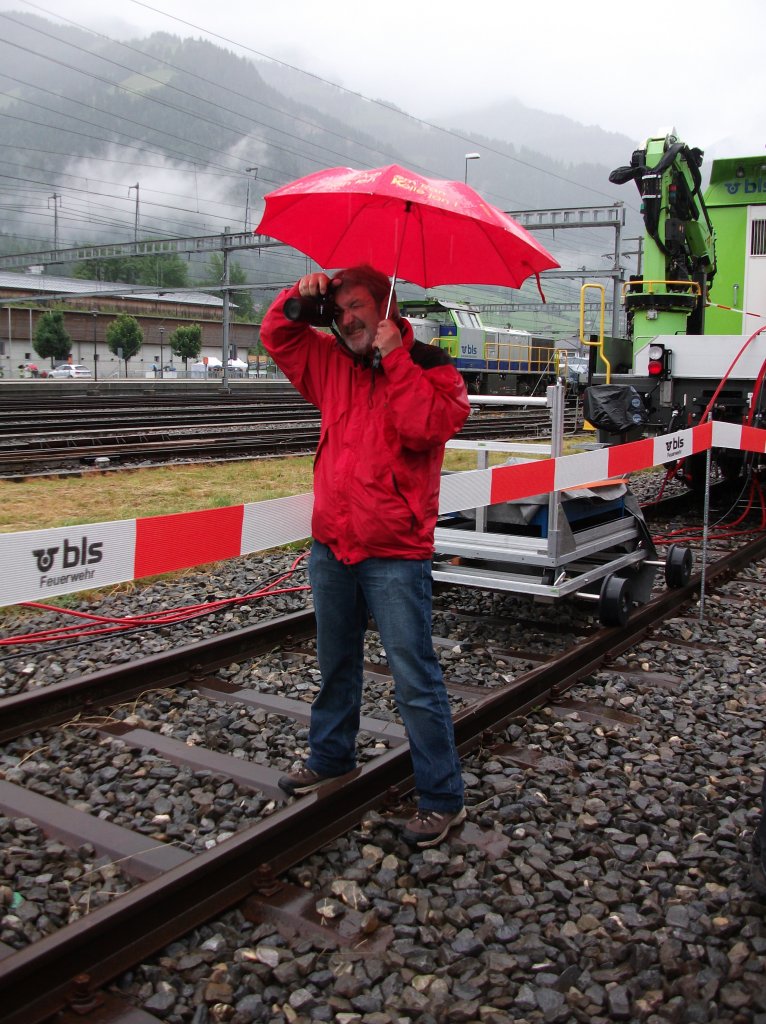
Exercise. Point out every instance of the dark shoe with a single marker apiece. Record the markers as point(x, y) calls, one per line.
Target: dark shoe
point(428, 828)
point(302, 780)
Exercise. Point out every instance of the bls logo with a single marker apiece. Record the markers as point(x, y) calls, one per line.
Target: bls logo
point(470, 350)
point(72, 555)
point(677, 445)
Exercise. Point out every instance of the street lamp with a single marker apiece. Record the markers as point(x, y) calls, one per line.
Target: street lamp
point(95, 351)
point(470, 156)
point(249, 170)
point(162, 331)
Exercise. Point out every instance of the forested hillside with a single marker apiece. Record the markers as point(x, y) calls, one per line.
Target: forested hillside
point(161, 136)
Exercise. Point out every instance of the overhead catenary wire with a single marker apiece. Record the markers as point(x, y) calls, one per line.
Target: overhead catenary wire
point(392, 109)
point(301, 152)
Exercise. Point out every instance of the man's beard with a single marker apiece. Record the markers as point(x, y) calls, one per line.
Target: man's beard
point(360, 342)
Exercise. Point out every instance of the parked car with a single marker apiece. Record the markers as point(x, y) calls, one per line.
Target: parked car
point(67, 371)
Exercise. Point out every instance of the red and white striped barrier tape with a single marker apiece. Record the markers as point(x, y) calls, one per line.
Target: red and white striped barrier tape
point(733, 309)
point(40, 564)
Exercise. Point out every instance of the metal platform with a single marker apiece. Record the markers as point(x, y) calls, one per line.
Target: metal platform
point(560, 545)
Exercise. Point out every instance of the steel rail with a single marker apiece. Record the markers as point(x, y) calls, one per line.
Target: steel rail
point(113, 939)
point(78, 426)
point(235, 439)
point(188, 665)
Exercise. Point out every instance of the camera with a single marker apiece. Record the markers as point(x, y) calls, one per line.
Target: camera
point(317, 310)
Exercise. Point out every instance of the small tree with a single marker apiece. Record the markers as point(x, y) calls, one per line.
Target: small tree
point(52, 340)
point(124, 334)
point(186, 342)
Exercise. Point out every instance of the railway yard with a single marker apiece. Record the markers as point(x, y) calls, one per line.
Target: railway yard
point(137, 425)
point(550, 459)
point(151, 869)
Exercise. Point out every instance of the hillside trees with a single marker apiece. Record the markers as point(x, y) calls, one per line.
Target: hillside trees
point(166, 270)
point(243, 300)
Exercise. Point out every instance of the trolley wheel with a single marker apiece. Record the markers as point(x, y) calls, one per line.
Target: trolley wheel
point(678, 566)
point(615, 601)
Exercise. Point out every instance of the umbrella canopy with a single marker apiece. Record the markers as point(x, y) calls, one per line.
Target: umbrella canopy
point(424, 230)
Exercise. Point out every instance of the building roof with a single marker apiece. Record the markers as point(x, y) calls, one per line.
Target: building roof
point(48, 284)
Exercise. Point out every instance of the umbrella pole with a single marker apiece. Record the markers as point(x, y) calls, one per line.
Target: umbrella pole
point(407, 209)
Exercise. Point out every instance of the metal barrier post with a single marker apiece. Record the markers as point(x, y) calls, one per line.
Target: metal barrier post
point(705, 528)
point(555, 398)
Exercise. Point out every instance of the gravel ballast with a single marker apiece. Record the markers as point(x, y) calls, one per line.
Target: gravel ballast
point(609, 882)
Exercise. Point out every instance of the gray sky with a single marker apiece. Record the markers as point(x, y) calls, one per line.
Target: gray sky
point(627, 67)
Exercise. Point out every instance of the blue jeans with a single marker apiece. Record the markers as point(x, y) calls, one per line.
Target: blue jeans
point(397, 593)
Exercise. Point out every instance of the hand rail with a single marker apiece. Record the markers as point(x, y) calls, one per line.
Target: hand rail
point(600, 343)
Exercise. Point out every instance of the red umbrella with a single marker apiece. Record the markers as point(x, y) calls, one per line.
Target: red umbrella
point(424, 230)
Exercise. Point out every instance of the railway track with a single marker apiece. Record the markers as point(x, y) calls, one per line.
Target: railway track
point(179, 890)
point(162, 435)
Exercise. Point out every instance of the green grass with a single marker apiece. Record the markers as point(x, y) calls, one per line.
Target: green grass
point(40, 503)
point(44, 502)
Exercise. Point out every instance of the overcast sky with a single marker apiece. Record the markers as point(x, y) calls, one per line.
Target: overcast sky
point(628, 67)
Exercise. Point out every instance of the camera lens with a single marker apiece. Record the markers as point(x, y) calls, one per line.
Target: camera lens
point(293, 309)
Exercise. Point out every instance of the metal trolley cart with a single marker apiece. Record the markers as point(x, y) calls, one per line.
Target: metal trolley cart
point(590, 543)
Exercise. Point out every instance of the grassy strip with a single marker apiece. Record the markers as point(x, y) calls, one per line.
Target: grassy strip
point(44, 502)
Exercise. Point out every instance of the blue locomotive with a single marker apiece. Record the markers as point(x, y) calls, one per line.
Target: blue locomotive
point(492, 360)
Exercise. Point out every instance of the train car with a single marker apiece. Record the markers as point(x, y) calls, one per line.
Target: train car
point(492, 361)
point(696, 312)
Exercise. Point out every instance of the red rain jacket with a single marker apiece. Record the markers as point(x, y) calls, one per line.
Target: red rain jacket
point(378, 462)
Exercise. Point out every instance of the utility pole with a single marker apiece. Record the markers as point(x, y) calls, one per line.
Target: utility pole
point(639, 252)
point(616, 281)
point(94, 314)
point(248, 170)
point(56, 203)
point(135, 227)
point(225, 339)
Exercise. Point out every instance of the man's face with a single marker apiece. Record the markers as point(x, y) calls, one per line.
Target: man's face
point(357, 318)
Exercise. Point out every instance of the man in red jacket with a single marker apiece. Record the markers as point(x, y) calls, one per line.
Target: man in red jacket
point(389, 404)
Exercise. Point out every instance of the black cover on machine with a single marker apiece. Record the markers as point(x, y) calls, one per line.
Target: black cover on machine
point(614, 408)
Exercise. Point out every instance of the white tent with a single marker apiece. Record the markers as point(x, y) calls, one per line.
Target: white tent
point(237, 364)
point(200, 369)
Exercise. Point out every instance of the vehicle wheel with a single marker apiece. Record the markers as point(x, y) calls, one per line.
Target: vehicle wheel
point(615, 601)
point(678, 566)
point(730, 465)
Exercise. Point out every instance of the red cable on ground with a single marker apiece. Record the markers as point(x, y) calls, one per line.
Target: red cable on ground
point(694, 533)
point(115, 624)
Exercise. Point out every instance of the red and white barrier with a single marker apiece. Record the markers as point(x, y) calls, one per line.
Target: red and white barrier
point(39, 564)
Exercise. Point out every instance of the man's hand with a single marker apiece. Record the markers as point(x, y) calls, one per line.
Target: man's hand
point(314, 284)
point(387, 337)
